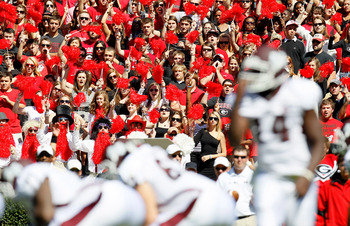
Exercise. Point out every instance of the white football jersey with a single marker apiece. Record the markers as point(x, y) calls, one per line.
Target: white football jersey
point(175, 189)
point(82, 201)
point(278, 125)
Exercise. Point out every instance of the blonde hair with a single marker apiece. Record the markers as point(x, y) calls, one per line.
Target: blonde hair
point(30, 124)
point(218, 125)
point(36, 71)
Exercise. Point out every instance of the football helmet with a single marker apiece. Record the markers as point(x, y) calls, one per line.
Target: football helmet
point(265, 70)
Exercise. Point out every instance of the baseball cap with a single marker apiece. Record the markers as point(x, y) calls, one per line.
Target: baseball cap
point(318, 37)
point(173, 148)
point(191, 165)
point(221, 161)
point(74, 163)
point(213, 31)
point(46, 148)
point(292, 22)
point(335, 81)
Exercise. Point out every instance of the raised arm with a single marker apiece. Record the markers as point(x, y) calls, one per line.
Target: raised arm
point(64, 87)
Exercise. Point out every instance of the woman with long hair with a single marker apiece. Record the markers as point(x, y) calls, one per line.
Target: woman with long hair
point(233, 68)
point(315, 64)
point(99, 49)
point(163, 124)
point(155, 97)
point(51, 7)
point(82, 82)
point(99, 107)
point(211, 140)
point(225, 43)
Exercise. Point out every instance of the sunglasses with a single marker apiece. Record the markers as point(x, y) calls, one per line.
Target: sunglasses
point(175, 155)
point(103, 127)
point(172, 134)
point(219, 2)
point(45, 45)
point(315, 42)
point(112, 77)
point(64, 101)
point(238, 156)
point(318, 24)
point(245, 1)
point(176, 119)
point(228, 85)
point(220, 168)
point(207, 50)
point(57, 89)
point(20, 12)
point(214, 118)
point(223, 43)
point(153, 90)
point(164, 109)
point(160, 5)
point(84, 18)
point(30, 65)
point(250, 23)
point(134, 4)
point(196, 4)
point(49, 6)
point(33, 130)
point(8, 58)
point(62, 119)
point(100, 48)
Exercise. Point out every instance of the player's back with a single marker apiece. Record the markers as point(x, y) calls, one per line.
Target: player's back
point(175, 188)
point(278, 125)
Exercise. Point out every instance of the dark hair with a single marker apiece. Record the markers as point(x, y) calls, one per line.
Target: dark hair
point(94, 130)
point(6, 74)
point(10, 30)
point(87, 83)
point(73, 39)
point(243, 29)
point(94, 55)
point(82, 49)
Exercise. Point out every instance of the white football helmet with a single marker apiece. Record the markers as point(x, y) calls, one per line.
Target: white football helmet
point(265, 70)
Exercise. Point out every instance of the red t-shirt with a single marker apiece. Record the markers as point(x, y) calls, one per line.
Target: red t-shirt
point(196, 96)
point(80, 34)
point(329, 126)
point(7, 109)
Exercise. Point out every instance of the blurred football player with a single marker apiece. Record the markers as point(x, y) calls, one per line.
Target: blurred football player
point(280, 111)
point(172, 195)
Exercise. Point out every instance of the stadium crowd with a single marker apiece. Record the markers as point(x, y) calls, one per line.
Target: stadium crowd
point(78, 75)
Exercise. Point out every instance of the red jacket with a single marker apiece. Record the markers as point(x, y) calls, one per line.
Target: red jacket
point(333, 203)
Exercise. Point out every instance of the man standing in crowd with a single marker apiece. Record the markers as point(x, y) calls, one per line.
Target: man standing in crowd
point(53, 35)
point(337, 96)
point(289, 137)
point(322, 56)
point(293, 47)
point(8, 98)
point(238, 180)
point(328, 123)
